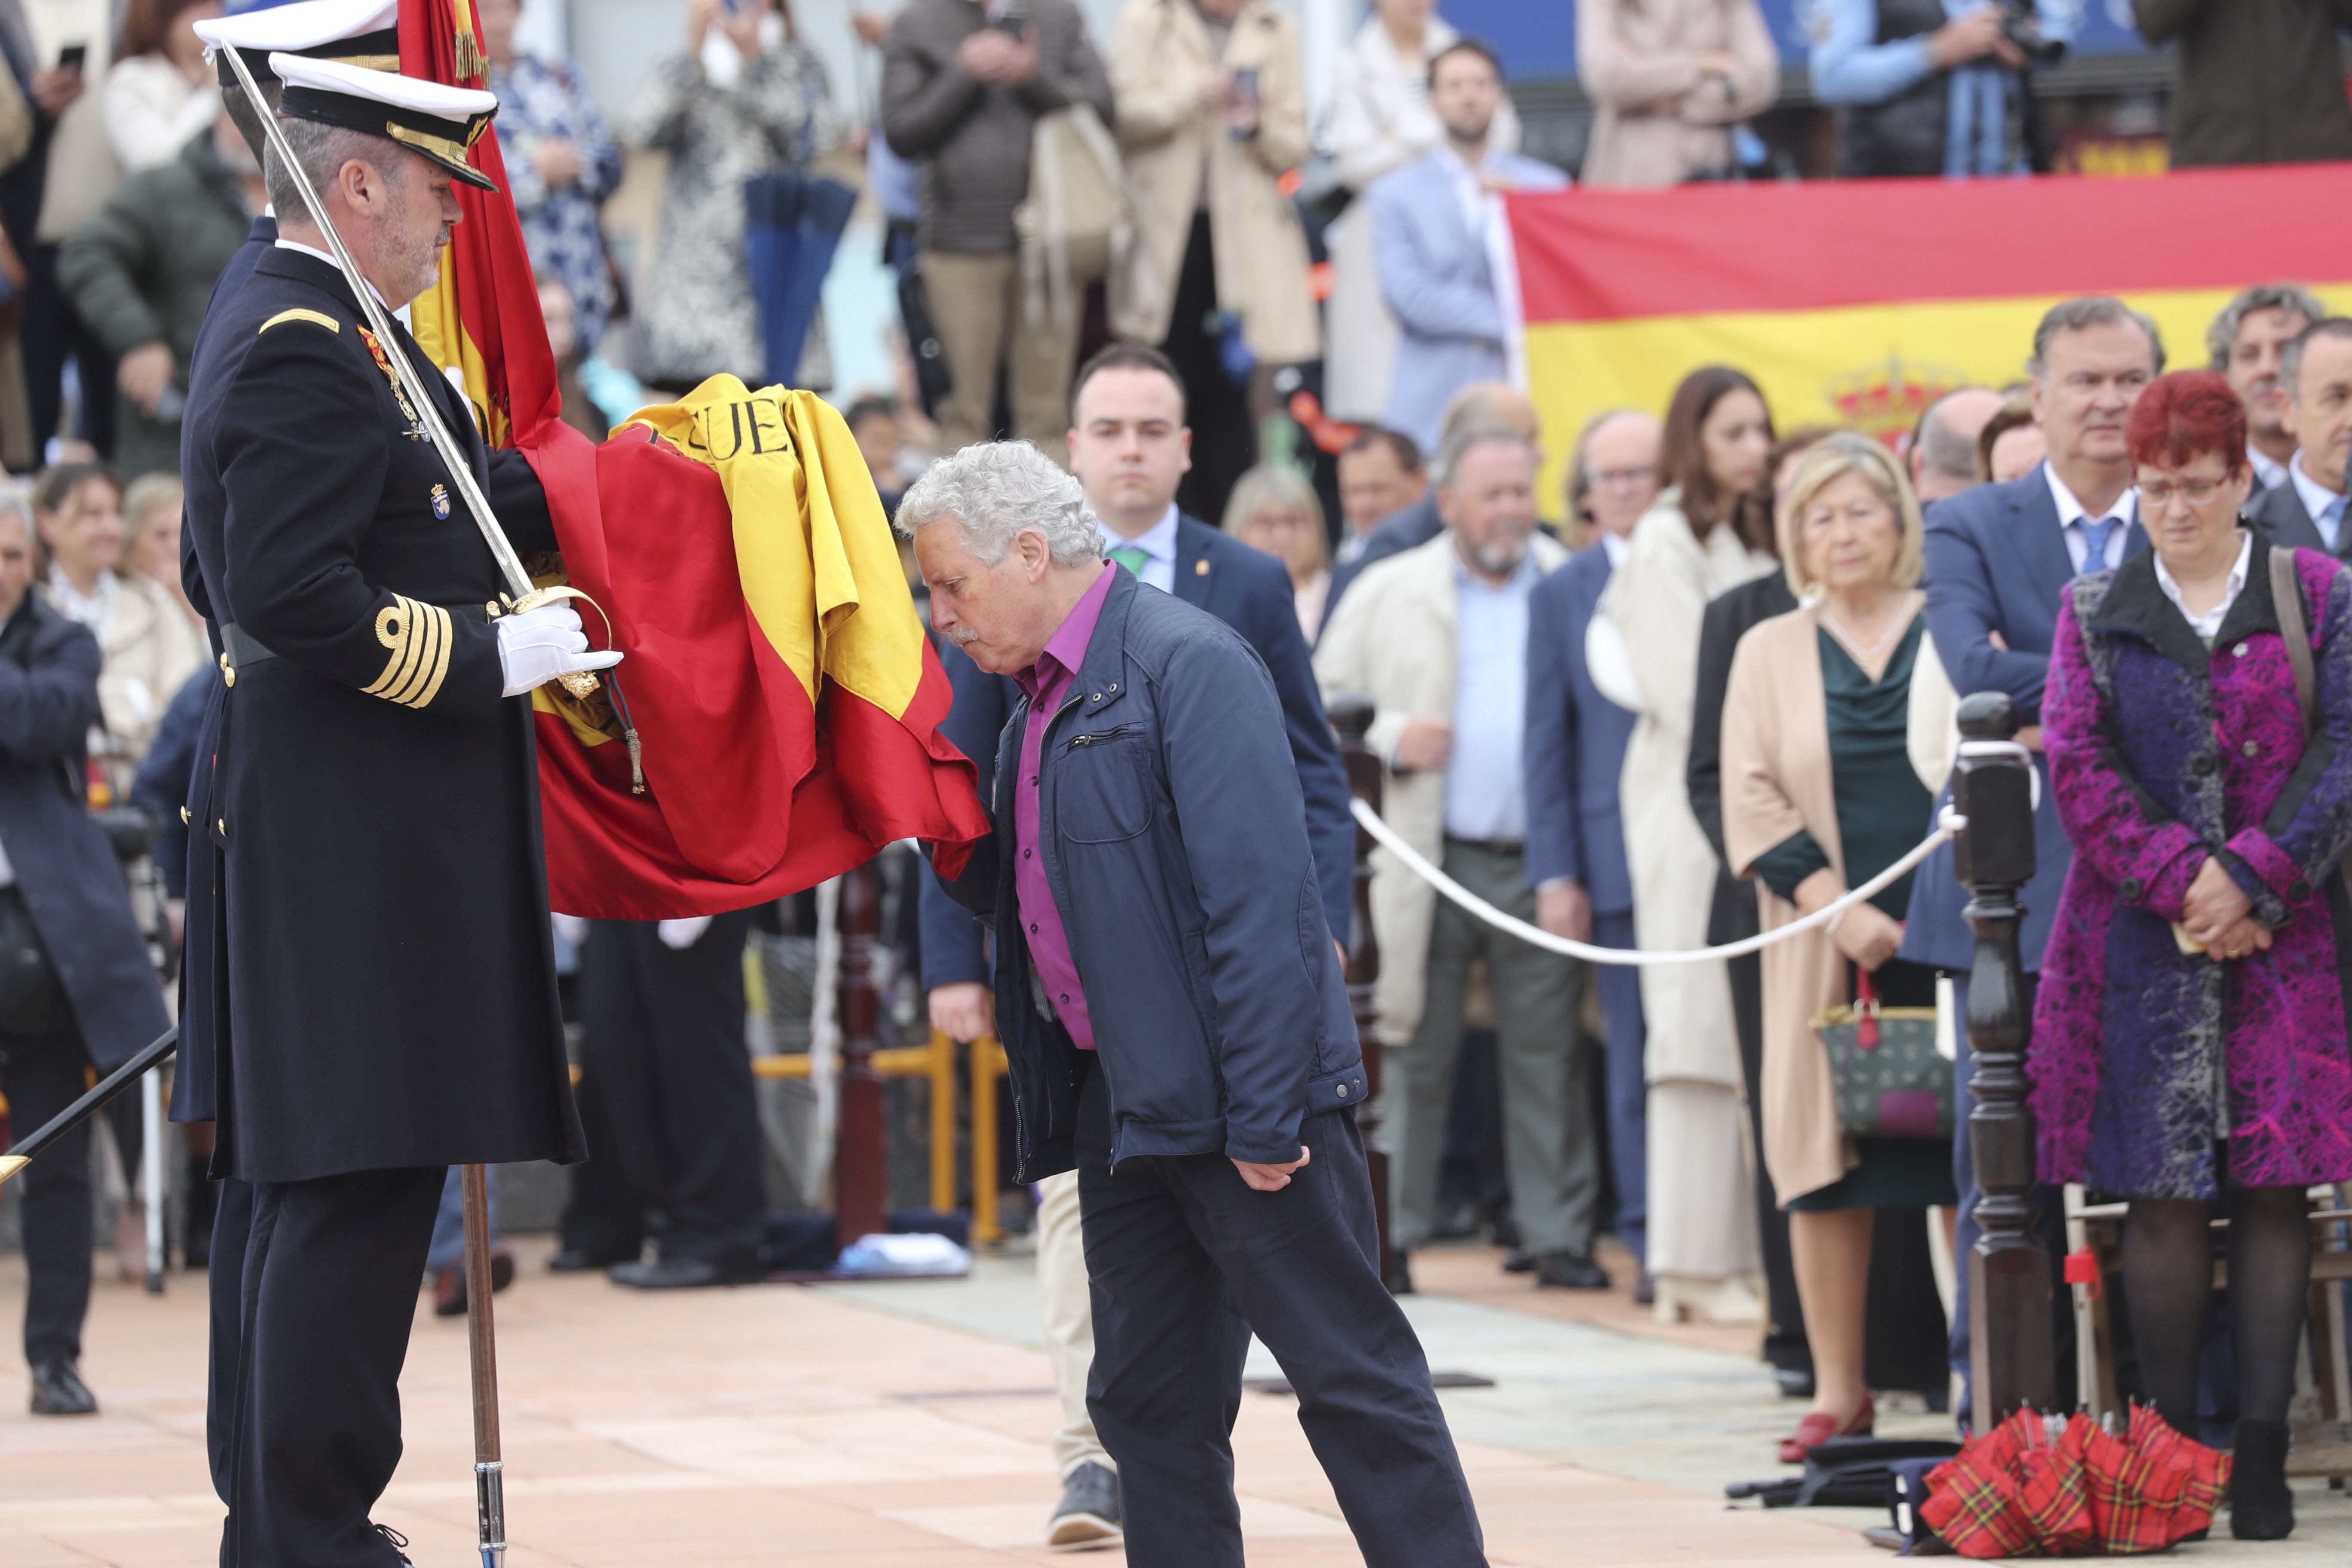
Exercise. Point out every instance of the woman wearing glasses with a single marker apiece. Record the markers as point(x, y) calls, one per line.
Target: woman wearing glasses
point(2189, 1039)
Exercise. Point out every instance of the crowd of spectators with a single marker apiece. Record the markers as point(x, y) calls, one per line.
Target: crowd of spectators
point(1691, 708)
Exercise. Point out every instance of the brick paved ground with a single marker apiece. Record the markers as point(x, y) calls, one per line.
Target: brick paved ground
point(881, 1425)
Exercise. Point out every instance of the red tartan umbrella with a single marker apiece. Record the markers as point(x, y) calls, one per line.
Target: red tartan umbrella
point(2036, 1486)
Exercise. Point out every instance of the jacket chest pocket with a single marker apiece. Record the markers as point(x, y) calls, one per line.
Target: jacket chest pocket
point(1101, 791)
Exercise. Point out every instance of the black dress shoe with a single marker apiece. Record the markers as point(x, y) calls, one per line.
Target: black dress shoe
point(1089, 1511)
point(1518, 1260)
point(1398, 1275)
point(58, 1390)
point(1567, 1270)
point(679, 1274)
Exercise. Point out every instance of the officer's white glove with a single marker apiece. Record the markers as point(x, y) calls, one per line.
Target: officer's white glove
point(679, 935)
point(537, 646)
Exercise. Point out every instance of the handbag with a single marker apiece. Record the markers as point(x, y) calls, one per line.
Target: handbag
point(1891, 1081)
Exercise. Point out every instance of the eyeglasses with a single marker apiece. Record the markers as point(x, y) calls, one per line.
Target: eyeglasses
point(2155, 495)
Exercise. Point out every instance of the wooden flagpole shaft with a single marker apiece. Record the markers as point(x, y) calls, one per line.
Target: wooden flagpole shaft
point(481, 1340)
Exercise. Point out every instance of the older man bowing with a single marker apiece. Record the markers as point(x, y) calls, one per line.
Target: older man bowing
point(1177, 1026)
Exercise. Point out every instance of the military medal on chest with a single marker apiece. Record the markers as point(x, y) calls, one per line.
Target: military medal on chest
point(416, 431)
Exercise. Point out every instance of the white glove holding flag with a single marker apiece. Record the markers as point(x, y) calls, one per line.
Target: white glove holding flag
point(537, 646)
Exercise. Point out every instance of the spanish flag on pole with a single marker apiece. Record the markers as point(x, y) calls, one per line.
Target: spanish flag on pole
point(1859, 302)
point(777, 720)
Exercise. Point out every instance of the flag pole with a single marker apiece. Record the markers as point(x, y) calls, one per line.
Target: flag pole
point(482, 1345)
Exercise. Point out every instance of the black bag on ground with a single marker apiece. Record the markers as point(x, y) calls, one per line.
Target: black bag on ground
point(1844, 1472)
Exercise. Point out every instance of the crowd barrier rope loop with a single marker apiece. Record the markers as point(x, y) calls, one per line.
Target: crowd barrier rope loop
point(1951, 823)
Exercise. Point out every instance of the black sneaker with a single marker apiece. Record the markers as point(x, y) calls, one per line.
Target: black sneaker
point(1089, 1511)
point(1567, 1270)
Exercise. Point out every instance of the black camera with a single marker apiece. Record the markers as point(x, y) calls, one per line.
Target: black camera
point(2022, 28)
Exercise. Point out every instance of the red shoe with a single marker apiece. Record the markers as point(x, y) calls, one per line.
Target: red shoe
point(1819, 1427)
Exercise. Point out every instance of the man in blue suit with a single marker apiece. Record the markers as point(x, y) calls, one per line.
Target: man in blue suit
point(1997, 558)
point(1437, 225)
point(1128, 446)
point(1574, 752)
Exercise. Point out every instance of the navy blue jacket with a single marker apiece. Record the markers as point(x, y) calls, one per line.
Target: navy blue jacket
point(1574, 747)
point(65, 871)
point(167, 770)
point(1250, 591)
point(1174, 838)
point(1996, 562)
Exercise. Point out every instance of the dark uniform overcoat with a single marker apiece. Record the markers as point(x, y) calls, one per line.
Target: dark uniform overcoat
point(373, 974)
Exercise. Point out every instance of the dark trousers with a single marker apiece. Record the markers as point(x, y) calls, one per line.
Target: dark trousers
point(44, 1074)
point(1785, 1345)
point(1624, 1084)
point(665, 1044)
point(1224, 433)
point(1185, 1259)
point(55, 333)
point(329, 1290)
point(224, 1285)
point(605, 1217)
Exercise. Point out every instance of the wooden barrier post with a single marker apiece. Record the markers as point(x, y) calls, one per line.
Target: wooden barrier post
point(1351, 719)
point(2013, 1361)
point(860, 1175)
point(942, 1076)
point(987, 1066)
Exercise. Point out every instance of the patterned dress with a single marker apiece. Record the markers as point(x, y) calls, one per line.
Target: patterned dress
point(2146, 1060)
point(540, 102)
point(695, 313)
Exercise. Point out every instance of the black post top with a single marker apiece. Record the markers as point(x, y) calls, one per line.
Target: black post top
point(1987, 716)
point(1350, 714)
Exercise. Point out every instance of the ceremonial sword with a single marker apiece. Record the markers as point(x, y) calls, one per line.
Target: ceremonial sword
point(490, 1465)
point(457, 459)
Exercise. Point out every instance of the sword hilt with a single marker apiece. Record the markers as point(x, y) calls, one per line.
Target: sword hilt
point(580, 683)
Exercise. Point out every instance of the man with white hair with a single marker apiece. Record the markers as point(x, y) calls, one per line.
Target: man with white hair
point(1176, 1026)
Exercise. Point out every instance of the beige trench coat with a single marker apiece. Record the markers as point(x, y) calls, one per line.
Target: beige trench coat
point(1654, 604)
point(1173, 148)
point(1656, 121)
point(1393, 638)
point(1776, 779)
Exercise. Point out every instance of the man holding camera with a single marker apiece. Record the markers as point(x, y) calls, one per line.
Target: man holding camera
point(77, 986)
point(1934, 87)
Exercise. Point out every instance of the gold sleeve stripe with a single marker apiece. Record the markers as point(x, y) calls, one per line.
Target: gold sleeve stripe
point(316, 318)
point(419, 636)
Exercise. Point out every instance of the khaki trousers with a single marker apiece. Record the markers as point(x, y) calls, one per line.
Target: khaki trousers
point(977, 310)
point(1065, 1302)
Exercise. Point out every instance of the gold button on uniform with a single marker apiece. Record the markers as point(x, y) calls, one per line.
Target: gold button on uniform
point(184, 818)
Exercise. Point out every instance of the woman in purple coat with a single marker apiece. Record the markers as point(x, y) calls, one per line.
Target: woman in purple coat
point(2189, 1039)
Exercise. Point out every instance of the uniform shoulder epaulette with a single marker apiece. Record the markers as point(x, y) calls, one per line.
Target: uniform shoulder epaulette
point(319, 317)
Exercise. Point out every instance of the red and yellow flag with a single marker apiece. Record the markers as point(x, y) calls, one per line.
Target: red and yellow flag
point(483, 321)
point(1859, 302)
point(785, 702)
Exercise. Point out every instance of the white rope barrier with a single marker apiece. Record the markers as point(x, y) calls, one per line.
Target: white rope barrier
point(1950, 824)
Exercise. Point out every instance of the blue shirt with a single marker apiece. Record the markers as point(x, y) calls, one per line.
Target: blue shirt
point(1158, 544)
point(1485, 795)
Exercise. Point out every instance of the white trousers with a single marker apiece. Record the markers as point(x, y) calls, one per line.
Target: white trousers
point(1064, 1299)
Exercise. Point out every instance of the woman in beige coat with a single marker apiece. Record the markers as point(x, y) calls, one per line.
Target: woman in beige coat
point(1642, 648)
point(1819, 794)
point(1211, 101)
point(1668, 77)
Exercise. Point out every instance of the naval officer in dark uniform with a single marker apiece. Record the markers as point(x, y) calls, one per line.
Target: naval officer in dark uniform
point(379, 994)
point(354, 32)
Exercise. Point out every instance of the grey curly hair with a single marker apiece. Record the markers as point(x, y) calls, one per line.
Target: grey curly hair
point(998, 491)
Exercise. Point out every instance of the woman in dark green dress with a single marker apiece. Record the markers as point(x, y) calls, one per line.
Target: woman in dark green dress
point(1820, 795)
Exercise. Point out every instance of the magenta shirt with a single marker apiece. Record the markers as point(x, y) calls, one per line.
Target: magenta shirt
point(1045, 682)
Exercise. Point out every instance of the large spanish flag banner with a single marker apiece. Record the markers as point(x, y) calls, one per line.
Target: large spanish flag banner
point(777, 720)
point(1859, 302)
